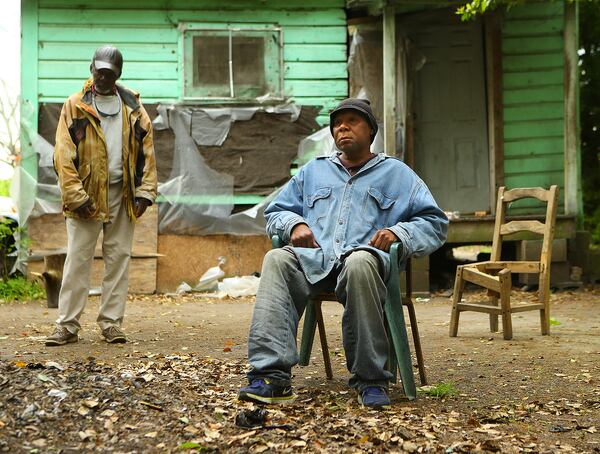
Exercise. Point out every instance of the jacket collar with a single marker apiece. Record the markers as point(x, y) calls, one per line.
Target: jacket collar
point(372, 163)
point(129, 97)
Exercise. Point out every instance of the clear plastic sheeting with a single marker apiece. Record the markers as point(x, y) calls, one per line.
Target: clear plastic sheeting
point(197, 200)
point(33, 197)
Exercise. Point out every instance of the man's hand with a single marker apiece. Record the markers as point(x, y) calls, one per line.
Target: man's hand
point(302, 236)
point(86, 210)
point(140, 206)
point(383, 239)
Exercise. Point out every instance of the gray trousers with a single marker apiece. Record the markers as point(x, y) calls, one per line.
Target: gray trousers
point(281, 299)
point(82, 235)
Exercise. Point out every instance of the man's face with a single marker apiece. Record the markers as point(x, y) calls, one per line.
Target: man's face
point(351, 131)
point(104, 80)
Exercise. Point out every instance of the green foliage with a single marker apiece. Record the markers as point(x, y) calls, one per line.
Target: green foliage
point(20, 289)
point(7, 246)
point(476, 8)
point(441, 390)
point(5, 188)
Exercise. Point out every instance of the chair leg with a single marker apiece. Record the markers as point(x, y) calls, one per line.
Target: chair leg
point(494, 317)
point(323, 339)
point(505, 286)
point(308, 333)
point(392, 363)
point(459, 286)
point(397, 327)
point(544, 298)
point(414, 327)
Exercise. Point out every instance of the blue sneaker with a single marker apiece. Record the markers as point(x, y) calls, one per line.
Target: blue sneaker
point(374, 397)
point(261, 391)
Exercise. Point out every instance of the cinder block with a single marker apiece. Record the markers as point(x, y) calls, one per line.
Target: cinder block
point(532, 250)
point(560, 273)
point(420, 281)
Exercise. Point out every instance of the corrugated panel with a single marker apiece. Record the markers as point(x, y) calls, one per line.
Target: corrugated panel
point(533, 65)
point(146, 32)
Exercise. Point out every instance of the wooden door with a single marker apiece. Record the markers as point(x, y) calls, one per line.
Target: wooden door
point(450, 119)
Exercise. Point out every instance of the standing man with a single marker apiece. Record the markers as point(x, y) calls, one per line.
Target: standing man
point(104, 157)
point(339, 216)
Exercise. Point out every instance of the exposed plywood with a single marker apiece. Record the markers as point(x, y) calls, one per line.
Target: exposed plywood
point(49, 232)
point(142, 273)
point(186, 257)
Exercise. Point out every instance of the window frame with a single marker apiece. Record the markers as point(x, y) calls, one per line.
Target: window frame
point(187, 33)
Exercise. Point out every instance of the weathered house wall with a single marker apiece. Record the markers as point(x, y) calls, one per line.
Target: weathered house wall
point(314, 36)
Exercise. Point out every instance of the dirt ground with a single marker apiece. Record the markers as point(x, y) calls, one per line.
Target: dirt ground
point(173, 387)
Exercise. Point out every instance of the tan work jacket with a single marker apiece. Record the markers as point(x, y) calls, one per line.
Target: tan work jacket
point(81, 158)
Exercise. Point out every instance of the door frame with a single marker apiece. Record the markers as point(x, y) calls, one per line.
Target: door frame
point(492, 60)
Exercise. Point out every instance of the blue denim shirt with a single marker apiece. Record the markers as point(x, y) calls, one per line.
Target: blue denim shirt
point(345, 211)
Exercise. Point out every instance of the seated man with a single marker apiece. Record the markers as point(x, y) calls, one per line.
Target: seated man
point(339, 216)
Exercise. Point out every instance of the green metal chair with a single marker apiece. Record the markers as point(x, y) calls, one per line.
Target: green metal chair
point(395, 325)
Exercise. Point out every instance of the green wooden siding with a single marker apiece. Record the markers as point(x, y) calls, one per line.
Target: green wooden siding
point(533, 89)
point(314, 35)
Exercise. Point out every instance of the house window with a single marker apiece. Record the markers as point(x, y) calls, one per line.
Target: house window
point(232, 64)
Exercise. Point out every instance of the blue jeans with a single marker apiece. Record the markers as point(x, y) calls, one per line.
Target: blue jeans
point(281, 299)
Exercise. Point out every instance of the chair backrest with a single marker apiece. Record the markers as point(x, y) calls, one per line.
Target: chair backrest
point(502, 228)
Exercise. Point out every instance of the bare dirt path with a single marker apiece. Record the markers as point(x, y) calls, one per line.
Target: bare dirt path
point(173, 386)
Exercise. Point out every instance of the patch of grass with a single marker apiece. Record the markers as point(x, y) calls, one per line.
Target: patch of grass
point(440, 390)
point(20, 289)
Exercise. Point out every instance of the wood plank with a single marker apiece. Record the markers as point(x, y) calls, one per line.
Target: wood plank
point(526, 307)
point(315, 35)
point(318, 71)
point(519, 226)
point(315, 52)
point(534, 147)
point(533, 94)
point(29, 83)
point(116, 34)
point(533, 78)
point(389, 80)
point(332, 87)
point(62, 88)
point(533, 61)
point(477, 277)
point(197, 4)
point(49, 232)
point(187, 257)
point(70, 69)
point(141, 52)
point(334, 16)
point(531, 9)
point(571, 93)
point(462, 307)
point(538, 44)
point(533, 27)
point(142, 274)
point(495, 101)
point(519, 193)
point(538, 111)
point(520, 164)
point(481, 230)
point(514, 267)
point(533, 128)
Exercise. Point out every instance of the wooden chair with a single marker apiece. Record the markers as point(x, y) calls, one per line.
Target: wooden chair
point(396, 328)
point(495, 275)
